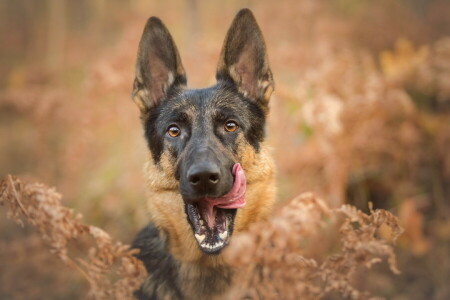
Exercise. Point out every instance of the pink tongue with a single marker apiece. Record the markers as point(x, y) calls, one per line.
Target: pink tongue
point(233, 199)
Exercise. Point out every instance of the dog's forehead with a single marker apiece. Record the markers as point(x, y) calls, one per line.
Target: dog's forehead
point(212, 98)
point(206, 102)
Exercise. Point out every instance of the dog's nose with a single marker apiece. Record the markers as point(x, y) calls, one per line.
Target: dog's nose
point(204, 176)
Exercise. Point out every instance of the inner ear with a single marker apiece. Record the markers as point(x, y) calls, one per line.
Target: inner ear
point(158, 66)
point(245, 69)
point(243, 59)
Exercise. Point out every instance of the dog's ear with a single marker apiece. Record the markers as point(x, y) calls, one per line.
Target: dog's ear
point(244, 59)
point(158, 66)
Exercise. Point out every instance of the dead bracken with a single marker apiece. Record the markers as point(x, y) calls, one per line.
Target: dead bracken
point(110, 267)
point(276, 259)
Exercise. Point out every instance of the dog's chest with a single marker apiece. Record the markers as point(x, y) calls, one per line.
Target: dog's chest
point(171, 279)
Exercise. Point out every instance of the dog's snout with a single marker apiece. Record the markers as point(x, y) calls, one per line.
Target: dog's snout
point(205, 173)
point(204, 176)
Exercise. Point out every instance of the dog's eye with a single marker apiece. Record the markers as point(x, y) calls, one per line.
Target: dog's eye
point(173, 131)
point(231, 126)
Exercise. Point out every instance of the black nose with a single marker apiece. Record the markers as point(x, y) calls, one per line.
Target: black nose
point(204, 176)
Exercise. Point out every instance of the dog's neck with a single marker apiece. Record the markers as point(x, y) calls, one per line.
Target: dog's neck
point(198, 275)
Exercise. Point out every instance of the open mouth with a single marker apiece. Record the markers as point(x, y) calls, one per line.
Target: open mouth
point(212, 219)
point(211, 239)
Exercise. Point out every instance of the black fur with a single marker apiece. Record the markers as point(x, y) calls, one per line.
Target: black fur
point(227, 102)
point(157, 261)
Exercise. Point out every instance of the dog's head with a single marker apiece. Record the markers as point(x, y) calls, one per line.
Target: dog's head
point(200, 132)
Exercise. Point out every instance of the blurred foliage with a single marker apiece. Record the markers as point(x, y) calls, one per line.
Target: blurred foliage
point(361, 113)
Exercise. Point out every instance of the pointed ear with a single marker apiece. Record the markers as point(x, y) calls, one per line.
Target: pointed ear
point(158, 66)
point(244, 59)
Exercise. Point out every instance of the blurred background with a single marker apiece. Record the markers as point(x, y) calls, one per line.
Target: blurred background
point(361, 113)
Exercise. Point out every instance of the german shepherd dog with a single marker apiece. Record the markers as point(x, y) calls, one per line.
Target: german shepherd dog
point(209, 171)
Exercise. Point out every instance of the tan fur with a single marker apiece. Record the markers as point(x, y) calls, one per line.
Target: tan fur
point(166, 207)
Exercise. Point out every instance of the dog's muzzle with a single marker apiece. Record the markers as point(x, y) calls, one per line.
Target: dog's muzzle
point(212, 218)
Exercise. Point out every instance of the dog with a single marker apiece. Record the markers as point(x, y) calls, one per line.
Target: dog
point(210, 173)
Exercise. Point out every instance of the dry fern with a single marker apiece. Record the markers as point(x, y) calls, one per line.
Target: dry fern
point(273, 259)
point(58, 225)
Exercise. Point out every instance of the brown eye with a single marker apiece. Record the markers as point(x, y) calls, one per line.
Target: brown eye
point(231, 126)
point(173, 131)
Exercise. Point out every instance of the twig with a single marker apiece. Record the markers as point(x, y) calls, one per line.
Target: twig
point(17, 197)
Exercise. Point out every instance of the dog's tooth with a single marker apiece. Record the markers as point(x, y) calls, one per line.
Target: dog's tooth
point(201, 222)
point(223, 235)
point(200, 237)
